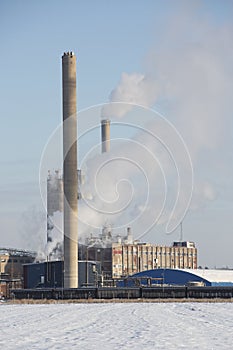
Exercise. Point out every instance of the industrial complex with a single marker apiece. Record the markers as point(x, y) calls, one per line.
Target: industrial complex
point(104, 260)
point(119, 256)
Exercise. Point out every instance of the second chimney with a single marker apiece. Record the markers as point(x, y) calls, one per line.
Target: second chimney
point(105, 135)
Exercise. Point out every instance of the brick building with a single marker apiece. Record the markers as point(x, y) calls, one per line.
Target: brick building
point(128, 259)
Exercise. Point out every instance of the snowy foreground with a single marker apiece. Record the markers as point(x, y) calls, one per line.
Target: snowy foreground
point(117, 326)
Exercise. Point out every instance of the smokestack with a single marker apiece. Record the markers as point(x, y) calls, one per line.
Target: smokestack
point(70, 170)
point(105, 135)
point(129, 236)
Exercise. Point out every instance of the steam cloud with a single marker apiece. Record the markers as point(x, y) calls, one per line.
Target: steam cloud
point(189, 74)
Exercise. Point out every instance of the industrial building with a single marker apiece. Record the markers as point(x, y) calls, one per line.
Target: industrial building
point(180, 277)
point(115, 260)
point(12, 260)
point(11, 268)
point(51, 274)
point(121, 256)
point(122, 259)
point(128, 259)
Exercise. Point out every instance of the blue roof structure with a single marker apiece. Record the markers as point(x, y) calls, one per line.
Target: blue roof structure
point(179, 277)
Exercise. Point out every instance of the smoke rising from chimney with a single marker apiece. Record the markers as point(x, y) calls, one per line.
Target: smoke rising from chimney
point(188, 74)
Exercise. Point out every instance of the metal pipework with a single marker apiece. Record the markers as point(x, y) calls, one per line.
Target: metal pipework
point(70, 167)
point(105, 135)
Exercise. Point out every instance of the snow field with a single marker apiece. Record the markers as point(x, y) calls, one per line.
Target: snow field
point(108, 326)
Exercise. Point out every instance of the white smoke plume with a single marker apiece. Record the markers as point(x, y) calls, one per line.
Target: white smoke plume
point(135, 89)
point(128, 184)
point(53, 250)
point(31, 228)
point(189, 74)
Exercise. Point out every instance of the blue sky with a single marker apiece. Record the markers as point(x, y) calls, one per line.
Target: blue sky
point(108, 37)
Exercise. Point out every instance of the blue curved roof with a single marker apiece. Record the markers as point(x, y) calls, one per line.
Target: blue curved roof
point(164, 276)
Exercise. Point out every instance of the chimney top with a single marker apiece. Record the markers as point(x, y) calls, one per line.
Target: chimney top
point(69, 53)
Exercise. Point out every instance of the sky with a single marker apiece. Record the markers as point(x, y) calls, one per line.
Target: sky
point(174, 57)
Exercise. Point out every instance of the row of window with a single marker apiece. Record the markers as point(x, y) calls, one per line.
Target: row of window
point(158, 253)
point(165, 253)
point(135, 251)
point(146, 266)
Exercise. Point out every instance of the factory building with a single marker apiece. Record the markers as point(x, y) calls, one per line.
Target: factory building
point(12, 260)
point(123, 256)
point(128, 259)
point(113, 260)
point(11, 268)
point(180, 277)
point(51, 274)
point(103, 255)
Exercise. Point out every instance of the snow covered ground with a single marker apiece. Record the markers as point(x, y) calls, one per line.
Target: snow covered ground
point(117, 326)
